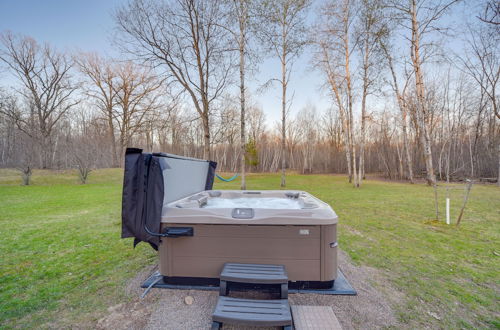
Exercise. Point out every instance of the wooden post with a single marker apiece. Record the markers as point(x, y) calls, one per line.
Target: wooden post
point(466, 198)
point(436, 203)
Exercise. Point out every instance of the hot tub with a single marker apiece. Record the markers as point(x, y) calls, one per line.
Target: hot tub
point(196, 230)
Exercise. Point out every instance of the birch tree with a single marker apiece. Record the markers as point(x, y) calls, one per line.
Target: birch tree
point(403, 107)
point(326, 61)
point(240, 9)
point(283, 34)
point(183, 37)
point(370, 29)
point(333, 57)
point(346, 46)
point(421, 18)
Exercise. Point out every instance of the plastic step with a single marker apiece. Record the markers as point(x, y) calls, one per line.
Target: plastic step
point(252, 312)
point(254, 274)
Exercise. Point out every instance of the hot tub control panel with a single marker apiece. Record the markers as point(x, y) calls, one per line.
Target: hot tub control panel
point(242, 213)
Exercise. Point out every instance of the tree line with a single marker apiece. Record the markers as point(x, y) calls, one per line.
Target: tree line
point(402, 103)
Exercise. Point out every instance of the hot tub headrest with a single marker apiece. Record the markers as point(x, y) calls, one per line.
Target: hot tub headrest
point(152, 180)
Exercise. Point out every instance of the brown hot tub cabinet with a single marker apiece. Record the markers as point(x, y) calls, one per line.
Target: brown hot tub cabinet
point(169, 203)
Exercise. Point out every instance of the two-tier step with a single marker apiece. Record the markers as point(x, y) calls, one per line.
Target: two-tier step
point(252, 312)
point(254, 274)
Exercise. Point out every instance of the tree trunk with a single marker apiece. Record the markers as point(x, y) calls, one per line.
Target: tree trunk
point(344, 134)
point(45, 150)
point(242, 94)
point(26, 175)
point(407, 146)
point(53, 151)
point(206, 136)
point(421, 112)
point(468, 187)
point(345, 131)
point(404, 114)
point(363, 126)
point(350, 117)
point(283, 120)
point(448, 155)
point(400, 161)
point(471, 155)
point(112, 139)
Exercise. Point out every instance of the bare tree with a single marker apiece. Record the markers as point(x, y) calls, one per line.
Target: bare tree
point(239, 29)
point(23, 157)
point(7, 128)
point(45, 80)
point(241, 10)
point(334, 59)
point(85, 145)
point(164, 118)
point(327, 59)
point(183, 37)
point(420, 111)
point(403, 108)
point(256, 122)
point(283, 33)
point(482, 63)
point(468, 187)
point(345, 33)
point(308, 131)
point(25, 161)
point(420, 17)
point(138, 93)
point(491, 13)
point(371, 28)
point(85, 141)
point(102, 76)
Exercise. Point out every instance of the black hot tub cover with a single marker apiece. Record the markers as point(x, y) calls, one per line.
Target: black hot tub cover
point(153, 179)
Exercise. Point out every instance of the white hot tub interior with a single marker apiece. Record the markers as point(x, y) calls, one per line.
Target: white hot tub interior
point(254, 200)
point(255, 203)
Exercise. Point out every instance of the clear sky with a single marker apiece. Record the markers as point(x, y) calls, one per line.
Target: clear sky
point(67, 24)
point(87, 25)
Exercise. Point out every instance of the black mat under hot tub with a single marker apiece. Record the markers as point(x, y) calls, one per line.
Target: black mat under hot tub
point(340, 287)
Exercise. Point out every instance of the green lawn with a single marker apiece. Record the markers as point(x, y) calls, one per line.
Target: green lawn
point(62, 260)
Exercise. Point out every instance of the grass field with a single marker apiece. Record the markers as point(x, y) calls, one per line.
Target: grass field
point(62, 261)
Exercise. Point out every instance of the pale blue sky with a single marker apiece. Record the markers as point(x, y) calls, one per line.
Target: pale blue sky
point(87, 25)
point(67, 24)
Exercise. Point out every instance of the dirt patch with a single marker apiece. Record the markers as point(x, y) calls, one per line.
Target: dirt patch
point(136, 313)
point(126, 316)
point(358, 233)
point(167, 309)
